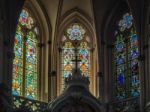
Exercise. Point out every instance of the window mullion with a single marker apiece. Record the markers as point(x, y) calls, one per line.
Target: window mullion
point(127, 68)
point(24, 62)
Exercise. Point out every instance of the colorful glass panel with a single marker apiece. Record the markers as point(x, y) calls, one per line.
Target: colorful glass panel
point(120, 61)
point(126, 22)
point(134, 64)
point(25, 62)
point(17, 63)
point(85, 58)
point(31, 66)
point(68, 55)
point(126, 60)
point(75, 32)
point(75, 44)
point(25, 19)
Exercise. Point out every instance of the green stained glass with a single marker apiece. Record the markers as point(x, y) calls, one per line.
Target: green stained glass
point(25, 63)
point(31, 66)
point(17, 77)
point(17, 63)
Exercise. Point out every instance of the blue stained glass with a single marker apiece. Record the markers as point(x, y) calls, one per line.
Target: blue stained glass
point(134, 47)
point(30, 96)
point(75, 32)
point(135, 93)
point(134, 53)
point(121, 79)
point(120, 96)
point(84, 55)
point(134, 65)
point(120, 59)
point(126, 22)
point(66, 73)
point(128, 19)
point(18, 49)
point(134, 38)
point(31, 54)
point(126, 60)
point(15, 92)
point(120, 47)
point(135, 80)
point(23, 17)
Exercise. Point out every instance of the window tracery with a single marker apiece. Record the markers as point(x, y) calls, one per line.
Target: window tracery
point(25, 74)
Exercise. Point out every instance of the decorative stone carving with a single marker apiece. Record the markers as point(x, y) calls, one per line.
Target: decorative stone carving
point(22, 104)
point(76, 96)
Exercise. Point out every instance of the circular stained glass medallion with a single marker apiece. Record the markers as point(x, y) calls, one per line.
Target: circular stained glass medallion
point(75, 32)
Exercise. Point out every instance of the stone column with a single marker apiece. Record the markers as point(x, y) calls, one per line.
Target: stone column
point(52, 85)
point(9, 13)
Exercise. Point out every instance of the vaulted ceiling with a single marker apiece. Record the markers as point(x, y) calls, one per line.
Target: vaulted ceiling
point(97, 10)
point(55, 9)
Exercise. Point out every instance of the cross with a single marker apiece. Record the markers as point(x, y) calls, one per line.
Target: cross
point(76, 60)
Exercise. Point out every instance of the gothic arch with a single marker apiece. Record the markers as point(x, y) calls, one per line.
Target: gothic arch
point(107, 39)
point(44, 30)
point(76, 15)
point(108, 45)
point(70, 17)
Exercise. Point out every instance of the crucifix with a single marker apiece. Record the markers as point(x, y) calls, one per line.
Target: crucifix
point(76, 60)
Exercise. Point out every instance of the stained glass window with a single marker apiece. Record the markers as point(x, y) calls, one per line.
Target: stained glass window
point(75, 32)
point(84, 57)
point(126, 55)
point(67, 57)
point(75, 38)
point(25, 62)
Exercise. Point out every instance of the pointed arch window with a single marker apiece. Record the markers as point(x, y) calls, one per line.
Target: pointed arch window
point(126, 53)
point(25, 71)
point(75, 38)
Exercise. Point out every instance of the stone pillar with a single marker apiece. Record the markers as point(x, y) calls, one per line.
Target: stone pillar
point(9, 13)
point(1, 39)
point(5, 99)
point(52, 85)
point(101, 85)
point(147, 63)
